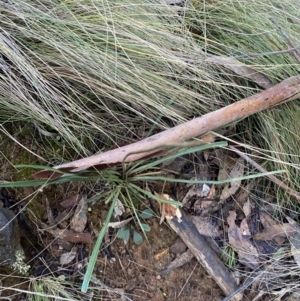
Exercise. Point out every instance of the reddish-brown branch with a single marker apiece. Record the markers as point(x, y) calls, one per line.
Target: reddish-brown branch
point(278, 94)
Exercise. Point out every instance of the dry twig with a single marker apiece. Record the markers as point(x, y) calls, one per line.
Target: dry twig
point(290, 191)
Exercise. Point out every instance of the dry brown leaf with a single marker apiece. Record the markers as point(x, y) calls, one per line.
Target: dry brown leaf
point(248, 254)
point(241, 69)
point(232, 187)
point(67, 258)
point(212, 193)
point(205, 227)
point(226, 163)
point(71, 236)
point(196, 191)
point(273, 230)
point(79, 219)
point(70, 201)
point(247, 208)
point(266, 220)
point(243, 193)
point(278, 233)
point(201, 205)
point(245, 227)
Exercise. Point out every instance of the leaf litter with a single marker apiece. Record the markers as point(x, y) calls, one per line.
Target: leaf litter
point(224, 214)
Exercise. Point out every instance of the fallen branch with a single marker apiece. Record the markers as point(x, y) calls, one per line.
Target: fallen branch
point(203, 253)
point(278, 94)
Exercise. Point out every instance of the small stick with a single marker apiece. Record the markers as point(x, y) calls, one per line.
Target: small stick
point(243, 286)
point(290, 191)
point(260, 54)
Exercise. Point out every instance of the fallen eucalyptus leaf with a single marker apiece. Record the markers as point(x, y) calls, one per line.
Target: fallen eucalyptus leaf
point(241, 69)
point(248, 254)
point(232, 187)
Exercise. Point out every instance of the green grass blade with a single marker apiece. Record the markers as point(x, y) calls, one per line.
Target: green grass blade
point(178, 154)
point(134, 187)
point(158, 178)
point(93, 258)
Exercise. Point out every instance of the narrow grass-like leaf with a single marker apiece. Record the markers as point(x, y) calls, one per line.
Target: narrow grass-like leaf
point(158, 178)
point(149, 194)
point(88, 274)
point(43, 167)
point(179, 153)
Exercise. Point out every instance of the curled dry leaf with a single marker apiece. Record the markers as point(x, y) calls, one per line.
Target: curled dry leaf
point(168, 210)
point(248, 254)
point(121, 224)
point(232, 187)
point(67, 258)
point(119, 209)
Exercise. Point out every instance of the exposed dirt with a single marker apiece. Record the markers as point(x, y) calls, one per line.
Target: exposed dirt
point(138, 272)
point(133, 270)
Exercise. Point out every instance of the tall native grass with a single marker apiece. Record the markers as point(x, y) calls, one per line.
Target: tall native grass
point(96, 72)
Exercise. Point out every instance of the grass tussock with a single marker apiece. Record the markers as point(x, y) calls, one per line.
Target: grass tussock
point(96, 71)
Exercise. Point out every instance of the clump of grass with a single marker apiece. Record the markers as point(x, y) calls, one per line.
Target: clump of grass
point(96, 71)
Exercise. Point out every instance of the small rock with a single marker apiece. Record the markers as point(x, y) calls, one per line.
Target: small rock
point(11, 252)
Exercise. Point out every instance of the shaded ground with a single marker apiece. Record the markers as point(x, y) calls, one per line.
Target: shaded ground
point(134, 270)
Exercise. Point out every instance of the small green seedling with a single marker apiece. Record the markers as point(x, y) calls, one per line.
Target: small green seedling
point(124, 232)
point(228, 255)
